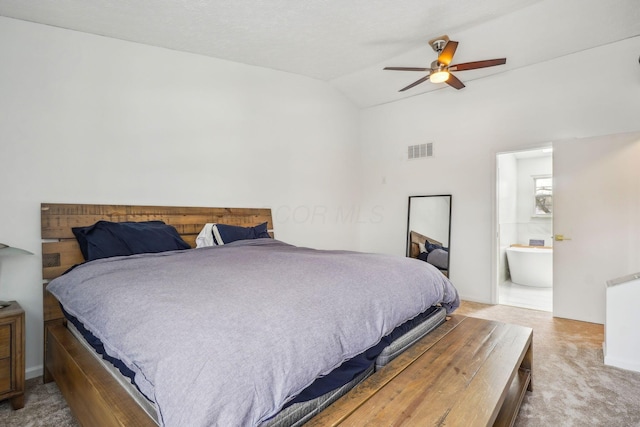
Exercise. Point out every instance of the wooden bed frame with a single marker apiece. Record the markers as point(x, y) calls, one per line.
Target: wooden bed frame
point(485, 373)
point(94, 396)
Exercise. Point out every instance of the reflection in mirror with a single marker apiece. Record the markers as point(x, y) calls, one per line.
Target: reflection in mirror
point(429, 230)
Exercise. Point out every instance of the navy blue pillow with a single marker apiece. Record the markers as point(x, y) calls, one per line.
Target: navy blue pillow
point(223, 233)
point(107, 239)
point(433, 246)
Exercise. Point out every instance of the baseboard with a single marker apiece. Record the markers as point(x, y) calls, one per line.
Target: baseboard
point(630, 365)
point(474, 299)
point(33, 372)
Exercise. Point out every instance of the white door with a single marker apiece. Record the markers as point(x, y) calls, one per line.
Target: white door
point(596, 204)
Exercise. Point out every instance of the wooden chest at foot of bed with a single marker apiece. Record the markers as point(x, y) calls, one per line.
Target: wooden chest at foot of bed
point(468, 372)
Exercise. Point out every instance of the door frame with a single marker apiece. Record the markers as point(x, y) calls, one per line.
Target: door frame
point(495, 225)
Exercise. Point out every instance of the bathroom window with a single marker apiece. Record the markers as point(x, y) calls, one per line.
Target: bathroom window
point(543, 195)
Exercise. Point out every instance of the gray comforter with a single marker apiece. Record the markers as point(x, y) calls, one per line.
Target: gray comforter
point(226, 335)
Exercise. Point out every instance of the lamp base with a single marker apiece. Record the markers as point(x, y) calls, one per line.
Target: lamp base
point(4, 304)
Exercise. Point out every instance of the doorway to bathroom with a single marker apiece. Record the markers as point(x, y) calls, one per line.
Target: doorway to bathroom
point(525, 228)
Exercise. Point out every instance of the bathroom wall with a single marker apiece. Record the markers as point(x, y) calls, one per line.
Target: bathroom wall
point(529, 226)
point(516, 203)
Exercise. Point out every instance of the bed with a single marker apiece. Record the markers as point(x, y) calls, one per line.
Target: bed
point(94, 396)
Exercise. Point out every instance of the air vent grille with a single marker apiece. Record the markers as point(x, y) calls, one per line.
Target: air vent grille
point(420, 150)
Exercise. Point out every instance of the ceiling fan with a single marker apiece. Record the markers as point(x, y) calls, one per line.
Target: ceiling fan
point(440, 70)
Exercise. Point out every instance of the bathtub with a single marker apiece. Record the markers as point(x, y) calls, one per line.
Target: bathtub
point(531, 266)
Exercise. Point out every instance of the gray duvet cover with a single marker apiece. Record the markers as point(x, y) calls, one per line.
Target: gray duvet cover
point(226, 335)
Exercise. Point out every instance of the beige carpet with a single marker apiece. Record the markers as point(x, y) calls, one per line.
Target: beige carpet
point(44, 407)
point(572, 386)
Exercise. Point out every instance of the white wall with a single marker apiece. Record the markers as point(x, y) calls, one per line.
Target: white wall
point(88, 119)
point(518, 109)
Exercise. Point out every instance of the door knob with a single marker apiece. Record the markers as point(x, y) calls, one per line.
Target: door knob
point(560, 238)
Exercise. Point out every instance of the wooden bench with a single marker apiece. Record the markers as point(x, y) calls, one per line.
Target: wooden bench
point(468, 372)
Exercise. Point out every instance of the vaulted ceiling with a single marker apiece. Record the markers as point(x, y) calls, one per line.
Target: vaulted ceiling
point(348, 42)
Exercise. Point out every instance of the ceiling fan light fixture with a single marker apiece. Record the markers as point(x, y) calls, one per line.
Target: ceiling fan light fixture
point(440, 76)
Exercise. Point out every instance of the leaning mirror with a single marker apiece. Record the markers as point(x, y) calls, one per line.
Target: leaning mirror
point(429, 230)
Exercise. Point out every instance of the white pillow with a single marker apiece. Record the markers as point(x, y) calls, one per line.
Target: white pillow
point(205, 238)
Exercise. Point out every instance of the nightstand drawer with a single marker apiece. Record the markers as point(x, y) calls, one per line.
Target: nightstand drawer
point(12, 354)
point(5, 341)
point(5, 375)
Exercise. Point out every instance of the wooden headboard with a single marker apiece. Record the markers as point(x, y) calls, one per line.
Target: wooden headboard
point(414, 239)
point(60, 250)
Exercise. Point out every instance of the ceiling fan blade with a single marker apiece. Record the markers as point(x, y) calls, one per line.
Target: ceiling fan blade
point(478, 64)
point(417, 82)
point(454, 82)
point(406, 69)
point(447, 53)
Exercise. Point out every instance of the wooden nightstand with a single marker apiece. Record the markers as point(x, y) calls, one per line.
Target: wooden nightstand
point(12, 354)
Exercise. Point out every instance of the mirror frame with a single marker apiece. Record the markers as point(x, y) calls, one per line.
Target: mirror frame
point(416, 198)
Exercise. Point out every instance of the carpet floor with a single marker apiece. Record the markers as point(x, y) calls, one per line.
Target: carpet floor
point(44, 406)
point(571, 385)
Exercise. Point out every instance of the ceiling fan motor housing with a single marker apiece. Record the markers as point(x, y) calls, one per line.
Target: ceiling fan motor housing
point(437, 66)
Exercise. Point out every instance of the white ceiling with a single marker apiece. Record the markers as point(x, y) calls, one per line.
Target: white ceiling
point(348, 42)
